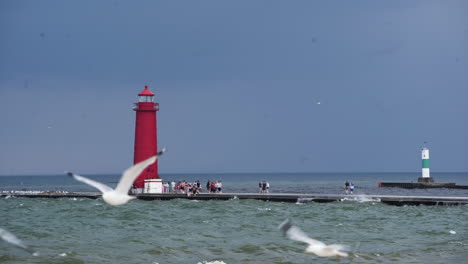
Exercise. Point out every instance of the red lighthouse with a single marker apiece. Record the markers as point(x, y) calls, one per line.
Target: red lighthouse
point(146, 141)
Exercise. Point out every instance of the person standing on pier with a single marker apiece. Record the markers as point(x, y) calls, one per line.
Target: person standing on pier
point(220, 187)
point(263, 186)
point(346, 188)
point(208, 186)
point(351, 188)
point(212, 187)
point(198, 184)
point(173, 186)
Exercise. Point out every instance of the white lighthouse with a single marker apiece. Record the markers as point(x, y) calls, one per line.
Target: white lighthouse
point(425, 163)
point(426, 177)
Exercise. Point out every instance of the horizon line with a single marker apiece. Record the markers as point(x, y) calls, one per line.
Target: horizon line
point(212, 173)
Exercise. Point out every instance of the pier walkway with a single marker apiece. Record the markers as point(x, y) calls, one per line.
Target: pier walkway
point(273, 197)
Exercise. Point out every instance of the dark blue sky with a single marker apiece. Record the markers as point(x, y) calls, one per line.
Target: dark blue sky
point(238, 84)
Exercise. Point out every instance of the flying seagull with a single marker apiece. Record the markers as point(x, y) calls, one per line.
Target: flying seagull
point(315, 246)
point(120, 195)
point(12, 239)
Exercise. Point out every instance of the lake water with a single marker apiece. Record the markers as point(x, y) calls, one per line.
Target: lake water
point(234, 231)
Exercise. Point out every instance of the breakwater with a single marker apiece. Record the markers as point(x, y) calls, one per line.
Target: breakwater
point(273, 197)
point(422, 185)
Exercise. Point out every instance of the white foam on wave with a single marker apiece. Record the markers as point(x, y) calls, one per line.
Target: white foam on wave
point(212, 262)
point(361, 199)
point(264, 209)
point(452, 232)
point(304, 200)
point(458, 243)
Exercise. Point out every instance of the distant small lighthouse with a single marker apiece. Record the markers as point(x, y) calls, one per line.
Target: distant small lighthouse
point(146, 141)
point(426, 177)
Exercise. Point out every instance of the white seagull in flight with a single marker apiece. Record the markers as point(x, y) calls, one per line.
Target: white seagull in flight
point(12, 239)
point(120, 195)
point(315, 246)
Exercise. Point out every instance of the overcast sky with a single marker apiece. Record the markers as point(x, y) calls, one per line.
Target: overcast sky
point(243, 86)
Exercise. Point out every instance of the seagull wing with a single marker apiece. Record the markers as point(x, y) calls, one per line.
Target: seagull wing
point(12, 239)
point(295, 233)
point(132, 173)
point(100, 186)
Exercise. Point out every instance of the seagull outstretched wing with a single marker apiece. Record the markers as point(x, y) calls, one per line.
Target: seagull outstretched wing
point(317, 247)
point(100, 186)
point(12, 239)
point(294, 233)
point(129, 176)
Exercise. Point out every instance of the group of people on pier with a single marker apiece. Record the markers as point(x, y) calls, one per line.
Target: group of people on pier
point(264, 187)
point(181, 187)
point(214, 187)
point(349, 187)
point(192, 188)
point(217, 187)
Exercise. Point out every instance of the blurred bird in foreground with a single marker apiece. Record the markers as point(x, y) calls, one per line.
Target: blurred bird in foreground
point(120, 195)
point(317, 247)
point(12, 239)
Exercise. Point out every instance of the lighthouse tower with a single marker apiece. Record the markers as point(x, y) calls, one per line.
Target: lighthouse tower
point(426, 177)
point(146, 141)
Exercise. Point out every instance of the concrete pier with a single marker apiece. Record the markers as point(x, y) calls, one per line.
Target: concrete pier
point(90, 195)
point(422, 185)
point(317, 198)
point(275, 197)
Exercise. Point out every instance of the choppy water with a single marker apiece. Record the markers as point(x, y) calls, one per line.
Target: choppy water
point(317, 183)
point(235, 231)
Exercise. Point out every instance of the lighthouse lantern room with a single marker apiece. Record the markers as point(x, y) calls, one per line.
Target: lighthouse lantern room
point(146, 142)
